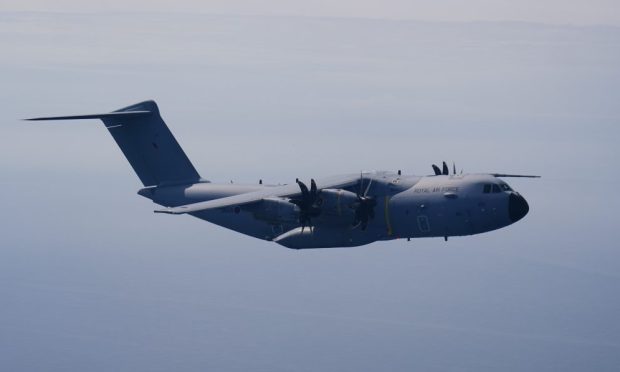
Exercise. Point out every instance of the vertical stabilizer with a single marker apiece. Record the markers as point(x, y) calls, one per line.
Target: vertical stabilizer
point(146, 142)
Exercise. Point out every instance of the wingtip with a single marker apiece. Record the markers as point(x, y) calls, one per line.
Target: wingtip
point(166, 211)
point(499, 175)
point(171, 210)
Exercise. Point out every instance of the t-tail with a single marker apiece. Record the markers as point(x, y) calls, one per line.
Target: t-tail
point(146, 142)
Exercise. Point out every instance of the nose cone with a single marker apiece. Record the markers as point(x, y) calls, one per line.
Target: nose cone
point(517, 207)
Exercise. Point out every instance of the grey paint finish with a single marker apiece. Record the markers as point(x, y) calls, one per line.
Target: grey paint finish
point(340, 211)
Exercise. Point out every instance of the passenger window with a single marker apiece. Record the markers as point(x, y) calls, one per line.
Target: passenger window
point(487, 188)
point(496, 189)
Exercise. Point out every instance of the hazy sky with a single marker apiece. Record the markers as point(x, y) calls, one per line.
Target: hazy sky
point(546, 11)
point(91, 279)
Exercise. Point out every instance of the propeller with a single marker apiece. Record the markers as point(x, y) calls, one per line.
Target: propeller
point(365, 206)
point(307, 203)
point(444, 170)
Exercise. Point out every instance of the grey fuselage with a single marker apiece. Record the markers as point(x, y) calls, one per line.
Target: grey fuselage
point(406, 207)
point(341, 211)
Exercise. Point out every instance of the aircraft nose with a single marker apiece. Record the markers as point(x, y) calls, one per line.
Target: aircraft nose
point(517, 207)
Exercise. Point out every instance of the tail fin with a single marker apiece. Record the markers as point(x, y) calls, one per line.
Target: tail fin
point(146, 142)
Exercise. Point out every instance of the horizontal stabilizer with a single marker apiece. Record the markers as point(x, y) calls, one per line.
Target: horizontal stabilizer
point(118, 115)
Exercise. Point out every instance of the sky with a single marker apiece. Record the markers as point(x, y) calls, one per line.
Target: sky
point(580, 12)
point(91, 279)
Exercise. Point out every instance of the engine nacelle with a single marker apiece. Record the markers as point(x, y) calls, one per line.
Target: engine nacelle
point(276, 210)
point(338, 202)
point(336, 205)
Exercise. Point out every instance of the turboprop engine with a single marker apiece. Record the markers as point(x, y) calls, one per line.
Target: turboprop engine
point(338, 203)
point(331, 204)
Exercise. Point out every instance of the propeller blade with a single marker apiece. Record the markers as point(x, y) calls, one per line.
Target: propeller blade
point(368, 187)
point(304, 220)
point(436, 170)
point(313, 188)
point(359, 188)
point(304, 189)
point(364, 211)
point(445, 169)
point(307, 204)
point(453, 168)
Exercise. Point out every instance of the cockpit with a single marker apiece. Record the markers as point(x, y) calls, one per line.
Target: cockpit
point(494, 188)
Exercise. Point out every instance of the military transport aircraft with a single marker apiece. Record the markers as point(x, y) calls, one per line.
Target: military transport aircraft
point(342, 211)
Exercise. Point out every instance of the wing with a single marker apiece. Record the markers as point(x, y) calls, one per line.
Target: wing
point(513, 175)
point(256, 196)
